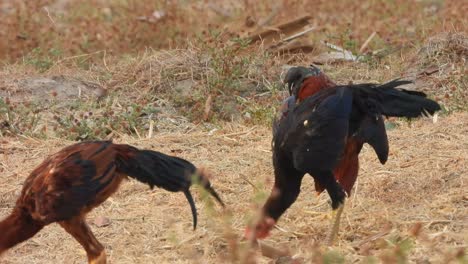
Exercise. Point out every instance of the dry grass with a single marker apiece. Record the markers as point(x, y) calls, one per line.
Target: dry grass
point(163, 71)
point(424, 181)
point(446, 54)
point(71, 27)
point(243, 84)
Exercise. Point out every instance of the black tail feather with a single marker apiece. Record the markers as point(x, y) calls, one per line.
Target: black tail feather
point(202, 179)
point(189, 197)
point(393, 101)
point(213, 193)
point(168, 172)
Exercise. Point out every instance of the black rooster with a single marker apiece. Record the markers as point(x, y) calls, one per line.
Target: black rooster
point(321, 130)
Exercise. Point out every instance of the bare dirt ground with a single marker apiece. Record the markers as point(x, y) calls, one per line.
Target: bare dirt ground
point(423, 183)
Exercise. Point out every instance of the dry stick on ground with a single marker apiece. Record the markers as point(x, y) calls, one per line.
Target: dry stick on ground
point(371, 238)
point(249, 182)
point(297, 35)
point(294, 46)
point(290, 26)
point(366, 43)
point(206, 112)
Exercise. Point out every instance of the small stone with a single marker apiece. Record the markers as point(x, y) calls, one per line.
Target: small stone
point(306, 122)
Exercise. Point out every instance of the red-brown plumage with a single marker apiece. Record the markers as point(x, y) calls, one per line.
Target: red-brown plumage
point(17, 227)
point(313, 84)
point(347, 169)
point(70, 183)
point(44, 198)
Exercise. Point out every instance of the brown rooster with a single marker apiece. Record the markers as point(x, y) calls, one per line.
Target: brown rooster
point(320, 131)
point(70, 183)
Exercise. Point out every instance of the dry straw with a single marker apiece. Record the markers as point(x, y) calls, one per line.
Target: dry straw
point(424, 183)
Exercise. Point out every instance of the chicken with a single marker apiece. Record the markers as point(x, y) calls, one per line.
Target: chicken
point(320, 131)
point(70, 183)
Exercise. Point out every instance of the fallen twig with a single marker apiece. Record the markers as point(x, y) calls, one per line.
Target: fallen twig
point(366, 43)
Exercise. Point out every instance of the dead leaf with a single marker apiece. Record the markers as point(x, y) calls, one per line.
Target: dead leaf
point(337, 55)
point(429, 70)
point(272, 252)
point(101, 221)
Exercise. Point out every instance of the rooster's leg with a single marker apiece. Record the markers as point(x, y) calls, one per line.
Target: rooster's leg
point(337, 196)
point(78, 228)
point(335, 227)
